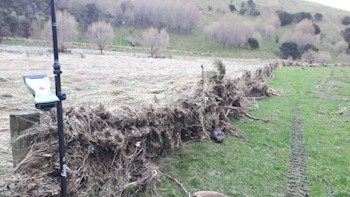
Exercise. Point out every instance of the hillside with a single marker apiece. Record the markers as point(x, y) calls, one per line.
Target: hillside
point(181, 38)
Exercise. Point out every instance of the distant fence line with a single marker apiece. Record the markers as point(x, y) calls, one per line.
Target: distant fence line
point(108, 47)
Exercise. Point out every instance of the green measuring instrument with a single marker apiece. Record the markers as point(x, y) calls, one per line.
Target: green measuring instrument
point(39, 86)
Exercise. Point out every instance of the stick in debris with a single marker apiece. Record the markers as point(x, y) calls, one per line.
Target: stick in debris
point(254, 118)
point(181, 185)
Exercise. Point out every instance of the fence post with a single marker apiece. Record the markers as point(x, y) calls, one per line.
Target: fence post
point(19, 122)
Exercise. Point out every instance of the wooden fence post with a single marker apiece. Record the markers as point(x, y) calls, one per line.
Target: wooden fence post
point(19, 122)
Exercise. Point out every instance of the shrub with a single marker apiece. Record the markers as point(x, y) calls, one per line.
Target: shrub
point(310, 47)
point(242, 11)
point(249, 9)
point(318, 17)
point(218, 74)
point(25, 28)
point(255, 13)
point(290, 49)
point(345, 20)
point(253, 43)
point(301, 16)
point(221, 70)
point(285, 18)
point(12, 23)
point(346, 34)
point(277, 39)
point(317, 29)
point(232, 7)
point(4, 28)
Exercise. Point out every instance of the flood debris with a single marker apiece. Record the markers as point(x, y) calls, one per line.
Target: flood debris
point(110, 153)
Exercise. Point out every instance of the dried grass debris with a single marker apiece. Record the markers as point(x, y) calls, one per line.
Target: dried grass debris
point(111, 153)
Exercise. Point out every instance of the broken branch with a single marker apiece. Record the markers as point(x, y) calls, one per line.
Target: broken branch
point(181, 185)
point(254, 118)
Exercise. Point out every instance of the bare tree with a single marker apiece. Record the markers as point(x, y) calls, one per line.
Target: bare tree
point(323, 57)
point(100, 33)
point(36, 31)
point(230, 33)
point(344, 58)
point(155, 40)
point(341, 47)
point(311, 56)
point(181, 17)
point(304, 33)
point(306, 26)
point(62, 3)
point(66, 29)
point(191, 17)
point(257, 36)
point(106, 6)
point(302, 39)
point(128, 11)
point(274, 21)
point(259, 25)
point(270, 31)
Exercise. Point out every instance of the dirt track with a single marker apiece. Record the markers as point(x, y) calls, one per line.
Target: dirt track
point(114, 79)
point(297, 180)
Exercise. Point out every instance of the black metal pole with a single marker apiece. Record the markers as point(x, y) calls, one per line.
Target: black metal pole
point(57, 71)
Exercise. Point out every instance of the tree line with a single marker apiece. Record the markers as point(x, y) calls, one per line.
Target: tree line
point(180, 17)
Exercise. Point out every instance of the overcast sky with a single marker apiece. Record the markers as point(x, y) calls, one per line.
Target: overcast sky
point(341, 4)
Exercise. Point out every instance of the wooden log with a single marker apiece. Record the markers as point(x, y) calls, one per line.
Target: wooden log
point(19, 122)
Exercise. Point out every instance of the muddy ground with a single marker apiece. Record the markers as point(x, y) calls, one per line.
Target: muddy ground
point(113, 79)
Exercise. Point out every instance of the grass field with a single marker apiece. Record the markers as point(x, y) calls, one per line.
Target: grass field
point(260, 165)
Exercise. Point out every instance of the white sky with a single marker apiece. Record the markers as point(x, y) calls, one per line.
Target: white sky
point(340, 4)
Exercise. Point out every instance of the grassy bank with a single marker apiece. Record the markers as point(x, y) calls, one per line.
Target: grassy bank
point(259, 166)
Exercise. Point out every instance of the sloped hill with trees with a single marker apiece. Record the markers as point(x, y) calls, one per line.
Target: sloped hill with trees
point(207, 27)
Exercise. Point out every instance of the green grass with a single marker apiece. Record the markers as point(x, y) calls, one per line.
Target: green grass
point(259, 166)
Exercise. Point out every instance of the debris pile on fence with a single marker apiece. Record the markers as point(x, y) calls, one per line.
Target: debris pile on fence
point(110, 152)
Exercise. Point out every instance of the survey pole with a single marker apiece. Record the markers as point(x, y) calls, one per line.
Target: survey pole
point(57, 72)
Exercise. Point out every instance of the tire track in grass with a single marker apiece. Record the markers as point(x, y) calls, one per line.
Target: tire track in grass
point(297, 180)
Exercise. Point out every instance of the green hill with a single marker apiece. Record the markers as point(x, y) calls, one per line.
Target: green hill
point(210, 11)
